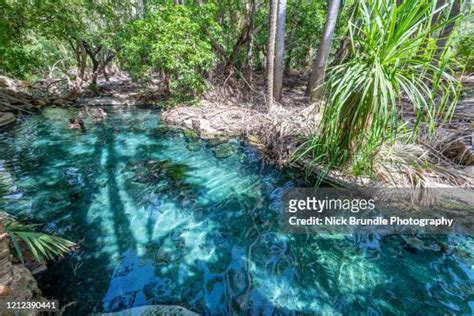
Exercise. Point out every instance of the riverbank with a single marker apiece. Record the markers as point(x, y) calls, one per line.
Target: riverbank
point(278, 134)
point(444, 161)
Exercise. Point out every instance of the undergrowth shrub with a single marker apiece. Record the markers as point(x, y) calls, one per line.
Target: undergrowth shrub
point(170, 42)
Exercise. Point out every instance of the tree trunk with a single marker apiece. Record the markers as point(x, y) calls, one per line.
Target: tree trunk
point(5, 263)
point(81, 59)
point(319, 67)
point(341, 52)
point(243, 38)
point(279, 50)
point(100, 68)
point(446, 31)
point(271, 51)
point(250, 43)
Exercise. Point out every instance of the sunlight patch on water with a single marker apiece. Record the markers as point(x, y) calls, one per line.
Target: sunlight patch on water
point(100, 215)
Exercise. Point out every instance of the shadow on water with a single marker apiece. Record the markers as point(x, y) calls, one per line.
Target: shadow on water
point(164, 221)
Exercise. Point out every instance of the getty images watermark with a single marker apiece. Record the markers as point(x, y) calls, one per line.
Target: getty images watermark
point(390, 211)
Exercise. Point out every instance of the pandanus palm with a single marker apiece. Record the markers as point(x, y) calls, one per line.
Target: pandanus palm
point(393, 55)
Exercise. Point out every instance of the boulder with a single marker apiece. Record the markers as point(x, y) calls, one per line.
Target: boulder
point(6, 118)
point(204, 127)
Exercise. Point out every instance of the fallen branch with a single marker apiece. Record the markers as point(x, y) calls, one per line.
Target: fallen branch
point(15, 107)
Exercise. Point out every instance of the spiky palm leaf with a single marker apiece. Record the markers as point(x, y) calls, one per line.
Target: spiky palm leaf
point(43, 246)
point(394, 55)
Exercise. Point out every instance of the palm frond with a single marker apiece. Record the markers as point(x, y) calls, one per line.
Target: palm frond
point(43, 246)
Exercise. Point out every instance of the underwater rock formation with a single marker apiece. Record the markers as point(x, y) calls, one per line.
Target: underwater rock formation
point(224, 150)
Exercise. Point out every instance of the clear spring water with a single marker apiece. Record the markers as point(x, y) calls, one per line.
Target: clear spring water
point(161, 220)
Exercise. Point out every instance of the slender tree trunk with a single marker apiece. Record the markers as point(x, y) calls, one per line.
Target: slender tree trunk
point(106, 75)
point(446, 32)
point(243, 38)
point(279, 50)
point(250, 43)
point(271, 51)
point(82, 59)
point(341, 51)
point(319, 67)
point(5, 263)
point(100, 68)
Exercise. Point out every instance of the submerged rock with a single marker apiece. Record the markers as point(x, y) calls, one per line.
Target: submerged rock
point(6, 118)
point(193, 146)
point(189, 134)
point(153, 170)
point(224, 150)
point(214, 142)
point(154, 310)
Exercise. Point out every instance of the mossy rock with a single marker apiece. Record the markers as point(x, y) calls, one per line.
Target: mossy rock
point(190, 134)
point(162, 130)
point(224, 150)
point(154, 310)
point(214, 142)
point(193, 146)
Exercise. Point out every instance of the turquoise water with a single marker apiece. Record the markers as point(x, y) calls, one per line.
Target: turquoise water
point(165, 218)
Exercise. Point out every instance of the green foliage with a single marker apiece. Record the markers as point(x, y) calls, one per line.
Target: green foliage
point(170, 41)
point(464, 52)
point(34, 33)
point(305, 24)
point(43, 246)
point(392, 56)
